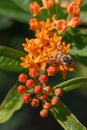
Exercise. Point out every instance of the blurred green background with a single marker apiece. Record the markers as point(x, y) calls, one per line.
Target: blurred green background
point(14, 16)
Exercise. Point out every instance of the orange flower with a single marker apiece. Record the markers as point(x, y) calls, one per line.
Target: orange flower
point(48, 25)
point(74, 22)
point(73, 9)
point(33, 23)
point(61, 25)
point(63, 47)
point(47, 4)
point(34, 8)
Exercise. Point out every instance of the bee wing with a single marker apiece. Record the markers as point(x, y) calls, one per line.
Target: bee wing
point(52, 61)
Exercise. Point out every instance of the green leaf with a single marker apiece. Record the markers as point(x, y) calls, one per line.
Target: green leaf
point(66, 119)
point(23, 4)
point(10, 9)
point(73, 84)
point(19, 10)
point(78, 40)
point(10, 59)
point(11, 104)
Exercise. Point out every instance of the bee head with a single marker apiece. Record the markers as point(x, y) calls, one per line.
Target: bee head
point(67, 59)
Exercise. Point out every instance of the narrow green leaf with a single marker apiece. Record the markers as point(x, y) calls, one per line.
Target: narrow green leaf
point(66, 119)
point(19, 10)
point(73, 84)
point(10, 52)
point(23, 4)
point(10, 9)
point(11, 104)
point(10, 59)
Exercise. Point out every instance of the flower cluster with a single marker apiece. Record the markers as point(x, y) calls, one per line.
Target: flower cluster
point(72, 9)
point(47, 53)
point(34, 91)
point(47, 44)
point(45, 48)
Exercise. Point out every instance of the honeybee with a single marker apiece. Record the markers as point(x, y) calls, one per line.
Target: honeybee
point(61, 59)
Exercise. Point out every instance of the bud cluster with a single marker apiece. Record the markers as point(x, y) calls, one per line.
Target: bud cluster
point(61, 25)
point(35, 90)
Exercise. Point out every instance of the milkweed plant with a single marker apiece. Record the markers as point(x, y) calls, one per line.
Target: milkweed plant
point(48, 54)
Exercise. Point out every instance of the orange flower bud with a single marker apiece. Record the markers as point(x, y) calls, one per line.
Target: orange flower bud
point(33, 24)
point(48, 3)
point(34, 8)
point(74, 22)
point(61, 25)
point(34, 102)
point(55, 101)
point(48, 89)
point(51, 70)
point(47, 105)
point(33, 72)
point(21, 89)
point(44, 113)
point(38, 89)
point(22, 77)
point(43, 78)
point(30, 83)
point(73, 9)
point(26, 98)
point(58, 91)
point(44, 97)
